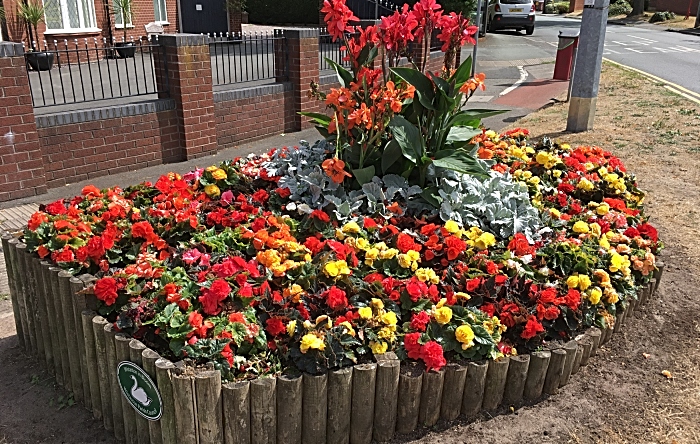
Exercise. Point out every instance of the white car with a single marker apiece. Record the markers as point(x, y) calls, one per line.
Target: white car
point(511, 14)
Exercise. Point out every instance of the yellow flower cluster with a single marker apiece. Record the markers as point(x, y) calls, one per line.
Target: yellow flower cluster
point(375, 315)
point(585, 185)
point(409, 260)
point(336, 269)
point(278, 260)
point(441, 313)
point(615, 182)
point(481, 240)
point(427, 275)
point(465, 335)
point(376, 251)
point(520, 152)
point(580, 281)
point(546, 159)
point(312, 341)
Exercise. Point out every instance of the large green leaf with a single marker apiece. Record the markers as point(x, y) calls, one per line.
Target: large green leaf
point(392, 153)
point(344, 76)
point(364, 175)
point(460, 161)
point(462, 134)
point(463, 72)
point(423, 85)
point(318, 118)
point(408, 137)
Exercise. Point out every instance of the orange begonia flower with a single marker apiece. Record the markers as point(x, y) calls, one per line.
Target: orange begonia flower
point(335, 169)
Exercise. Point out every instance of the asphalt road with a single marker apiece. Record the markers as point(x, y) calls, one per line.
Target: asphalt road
point(672, 56)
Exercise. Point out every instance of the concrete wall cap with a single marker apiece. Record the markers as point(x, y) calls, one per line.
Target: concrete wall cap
point(10, 49)
point(109, 112)
point(180, 40)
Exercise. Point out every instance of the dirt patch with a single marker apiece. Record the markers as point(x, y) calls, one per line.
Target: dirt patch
point(620, 397)
point(680, 22)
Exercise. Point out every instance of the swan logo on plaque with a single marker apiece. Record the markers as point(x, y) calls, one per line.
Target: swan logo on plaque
point(139, 389)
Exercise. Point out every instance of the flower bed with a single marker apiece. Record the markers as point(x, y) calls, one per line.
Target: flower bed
point(413, 262)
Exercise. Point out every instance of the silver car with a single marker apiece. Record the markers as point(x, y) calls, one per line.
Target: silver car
point(511, 14)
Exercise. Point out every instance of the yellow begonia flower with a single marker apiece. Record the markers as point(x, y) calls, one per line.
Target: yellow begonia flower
point(377, 303)
point(388, 254)
point(348, 327)
point(389, 318)
point(212, 191)
point(291, 327)
point(572, 282)
point(362, 244)
point(351, 227)
point(602, 209)
point(583, 282)
point(556, 173)
point(365, 313)
point(212, 168)
point(595, 229)
point(311, 341)
point(555, 213)
point(603, 242)
point(595, 296)
point(618, 262)
point(452, 227)
point(585, 185)
point(336, 269)
point(219, 174)
point(465, 335)
point(581, 227)
point(427, 275)
point(485, 241)
point(442, 315)
point(378, 348)
point(371, 255)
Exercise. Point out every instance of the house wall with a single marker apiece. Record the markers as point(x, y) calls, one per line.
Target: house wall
point(680, 7)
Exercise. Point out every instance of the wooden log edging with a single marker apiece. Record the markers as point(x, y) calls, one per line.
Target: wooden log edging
point(353, 405)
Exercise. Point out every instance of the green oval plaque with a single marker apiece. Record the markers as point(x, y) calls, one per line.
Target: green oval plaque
point(138, 388)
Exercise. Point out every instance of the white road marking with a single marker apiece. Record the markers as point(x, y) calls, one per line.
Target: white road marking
point(481, 99)
point(523, 76)
point(610, 51)
point(620, 43)
point(684, 49)
point(641, 52)
point(642, 38)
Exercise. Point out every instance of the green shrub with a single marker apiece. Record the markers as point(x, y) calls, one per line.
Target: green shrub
point(662, 17)
point(283, 12)
point(620, 7)
point(562, 7)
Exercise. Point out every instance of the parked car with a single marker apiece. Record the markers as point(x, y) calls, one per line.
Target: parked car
point(511, 14)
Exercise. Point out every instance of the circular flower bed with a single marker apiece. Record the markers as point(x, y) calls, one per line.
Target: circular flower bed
point(267, 264)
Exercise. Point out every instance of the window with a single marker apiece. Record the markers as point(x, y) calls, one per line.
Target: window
point(118, 19)
point(69, 15)
point(161, 14)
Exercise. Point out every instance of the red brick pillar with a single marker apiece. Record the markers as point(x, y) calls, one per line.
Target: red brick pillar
point(21, 164)
point(189, 83)
point(235, 21)
point(303, 68)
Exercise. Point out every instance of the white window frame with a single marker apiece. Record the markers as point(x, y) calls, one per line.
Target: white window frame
point(118, 25)
point(164, 12)
point(87, 24)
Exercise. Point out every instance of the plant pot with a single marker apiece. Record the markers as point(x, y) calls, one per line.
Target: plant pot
point(40, 61)
point(125, 50)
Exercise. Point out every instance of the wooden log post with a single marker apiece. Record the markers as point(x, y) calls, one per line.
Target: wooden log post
point(78, 300)
point(53, 273)
point(207, 388)
point(290, 394)
point(608, 334)
point(52, 302)
point(638, 303)
point(105, 411)
point(263, 411)
point(577, 360)
point(570, 347)
point(26, 308)
point(660, 265)
point(339, 405)
point(121, 345)
point(474, 388)
point(363, 393)
point(515, 380)
point(386, 397)
point(165, 387)
point(71, 336)
point(431, 397)
point(12, 283)
point(185, 411)
point(41, 297)
point(645, 294)
point(554, 371)
point(587, 345)
point(114, 393)
point(136, 349)
point(652, 288)
point(536, 374)
point(86, 317)
point(315, 409)
point(453, 391)
point(237, 412)
point(21, 283)
point(495, 383)
point(410, 388)
point(595, 334)
point(34, 304)
point(149, 365)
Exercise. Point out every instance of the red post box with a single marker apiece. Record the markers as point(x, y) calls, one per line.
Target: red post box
point(568, 42)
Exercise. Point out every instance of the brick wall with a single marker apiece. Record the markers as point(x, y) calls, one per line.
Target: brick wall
point(83, 145)
point(21, 165)
point(253, 113)
point(680, 7)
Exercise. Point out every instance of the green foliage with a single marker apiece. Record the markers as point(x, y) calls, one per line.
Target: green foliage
point(557, 8)
point(125, 9)
point(281, 12)
point(620, 7)
point(662, 17)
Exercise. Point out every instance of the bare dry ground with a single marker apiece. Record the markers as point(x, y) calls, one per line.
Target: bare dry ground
point(620, 397)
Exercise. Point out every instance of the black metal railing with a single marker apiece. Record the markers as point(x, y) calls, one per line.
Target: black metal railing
point(328, 49)
point(435, 42)
point(248, 57)
point(89, 70)
point(372, 9)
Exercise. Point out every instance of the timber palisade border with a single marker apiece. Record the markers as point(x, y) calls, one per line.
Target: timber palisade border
point(56, 324)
